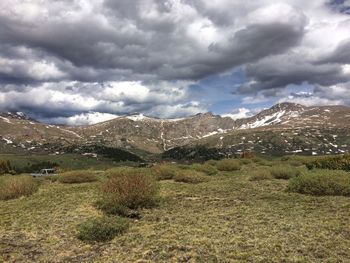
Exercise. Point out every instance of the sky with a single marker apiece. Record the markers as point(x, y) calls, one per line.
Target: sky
point(85, 61)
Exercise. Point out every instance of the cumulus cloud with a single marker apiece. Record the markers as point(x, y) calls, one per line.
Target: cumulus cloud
point(321, 95)
point(83, 118)
point(239, 114)
point(69, 101)
point(60, 60)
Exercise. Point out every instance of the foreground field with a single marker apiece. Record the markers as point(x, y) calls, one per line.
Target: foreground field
point(227, 218)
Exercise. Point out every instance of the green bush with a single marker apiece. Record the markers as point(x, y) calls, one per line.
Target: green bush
point(190, 176)
point(77, 177)
point(205, 168)
point(102, 229)
point(164, 171)
point(284, 171)
point(16, 186)
point(321, 182)
point(5, 167)
point(341, 162)
point(228, 165)
point(261, 174)
point(128, 189)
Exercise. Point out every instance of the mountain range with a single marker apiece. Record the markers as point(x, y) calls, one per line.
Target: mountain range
point(285, 128)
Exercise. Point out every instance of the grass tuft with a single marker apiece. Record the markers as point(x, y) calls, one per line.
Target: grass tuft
point(228, 165)
point(284, 172)
point(261, 174)
point(12, 187)
point(77, 177)
point(164, 171)
point(190, 176)
point(102, 229)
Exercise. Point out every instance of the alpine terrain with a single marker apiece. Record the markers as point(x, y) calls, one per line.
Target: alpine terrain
point(285, 128)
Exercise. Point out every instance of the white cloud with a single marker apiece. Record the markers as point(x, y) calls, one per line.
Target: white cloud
point(277, 13)
point(83, 118)
point(239, 113)
point(74, 101)
point(178, 110)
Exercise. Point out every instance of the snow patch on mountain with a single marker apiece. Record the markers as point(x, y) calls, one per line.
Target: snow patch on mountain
point(8, 141)
point(5, 119)
point(266, 120)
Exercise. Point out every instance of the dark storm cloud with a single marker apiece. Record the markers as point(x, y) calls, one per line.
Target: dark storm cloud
point(71, 52)
point(279, 71)
point(122, 38)
point(240, 49)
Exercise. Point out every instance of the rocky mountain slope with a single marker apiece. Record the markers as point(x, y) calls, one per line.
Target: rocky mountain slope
point(283, 129)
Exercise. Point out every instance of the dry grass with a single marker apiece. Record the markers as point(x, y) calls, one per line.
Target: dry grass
point(229, 219)
point(16, 186)
point(77, 177)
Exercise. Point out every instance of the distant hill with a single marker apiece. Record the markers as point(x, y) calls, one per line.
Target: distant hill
point(285, 128)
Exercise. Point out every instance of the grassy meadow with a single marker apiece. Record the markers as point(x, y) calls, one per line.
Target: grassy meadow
point(239, 210)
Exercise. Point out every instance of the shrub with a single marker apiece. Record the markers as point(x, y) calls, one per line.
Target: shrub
point(164, 171)
point(321, 182)
point(16, 186)
point(228, 165)
point(197, 153)
point(284, 172)
point(102, 229)
point(129, 188)
point(77, 177)
point(5, 167)
point(205, 168)
point(262, 174)
point(190, 176)
point(211, 162)
point(341, 162)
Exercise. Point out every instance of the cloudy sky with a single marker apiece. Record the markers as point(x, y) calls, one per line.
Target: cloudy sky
point(83, 61)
